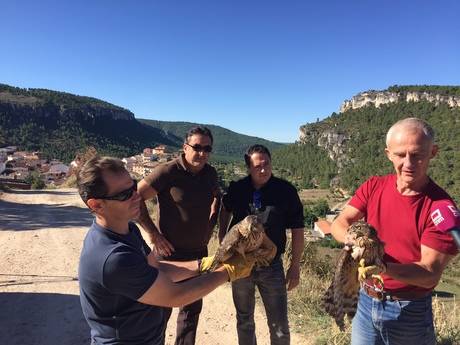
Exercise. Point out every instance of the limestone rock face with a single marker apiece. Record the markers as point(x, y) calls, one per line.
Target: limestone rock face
point(377, 98)
point(332, 140)
point(370, 97)
point(452, 101)
point(335, 141)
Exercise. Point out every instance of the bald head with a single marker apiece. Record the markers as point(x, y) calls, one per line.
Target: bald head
point(411, 125)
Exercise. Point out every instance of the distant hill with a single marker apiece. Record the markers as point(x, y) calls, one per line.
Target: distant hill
point(227, 144)
point(59, 124)
point(352, 142)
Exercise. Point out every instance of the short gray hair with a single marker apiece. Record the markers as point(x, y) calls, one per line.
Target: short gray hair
point(412, 123)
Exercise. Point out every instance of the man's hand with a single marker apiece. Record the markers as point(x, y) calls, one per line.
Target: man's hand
point(293, 276)
point(238, 267)
point(161, 245)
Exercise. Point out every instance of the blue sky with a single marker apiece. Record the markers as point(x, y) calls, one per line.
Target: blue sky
point(261, 68)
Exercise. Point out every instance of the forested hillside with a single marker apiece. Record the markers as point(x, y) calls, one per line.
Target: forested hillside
point(226, 142)
point(365, 130)
point(59, 124)
point(305, 165)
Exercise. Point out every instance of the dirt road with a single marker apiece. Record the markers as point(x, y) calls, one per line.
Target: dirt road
point(41, 234)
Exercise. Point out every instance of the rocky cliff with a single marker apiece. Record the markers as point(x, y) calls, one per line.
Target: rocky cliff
point(335, 138)
point(377, 98)
point(331, 139)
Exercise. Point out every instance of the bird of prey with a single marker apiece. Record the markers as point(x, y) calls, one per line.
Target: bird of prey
point(248, 239)
point(341, 297)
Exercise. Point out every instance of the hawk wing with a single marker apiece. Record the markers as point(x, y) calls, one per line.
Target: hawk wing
point(341, 298)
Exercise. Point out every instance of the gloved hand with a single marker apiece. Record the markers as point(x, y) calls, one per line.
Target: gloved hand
point(238, 267)
point(366, 272)
point(205, 263)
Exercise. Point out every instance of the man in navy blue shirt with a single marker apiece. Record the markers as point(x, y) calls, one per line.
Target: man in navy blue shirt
point(123, 287)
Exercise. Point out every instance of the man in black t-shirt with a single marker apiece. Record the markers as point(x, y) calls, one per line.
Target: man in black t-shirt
point(278, 203)
point(123, 287)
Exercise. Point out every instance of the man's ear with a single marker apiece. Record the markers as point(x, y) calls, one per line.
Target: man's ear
point(387, 153)
point(434, 150)
point(95, 205)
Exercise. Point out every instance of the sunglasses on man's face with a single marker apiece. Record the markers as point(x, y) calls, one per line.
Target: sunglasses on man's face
point(123, 195)
point(199, 148)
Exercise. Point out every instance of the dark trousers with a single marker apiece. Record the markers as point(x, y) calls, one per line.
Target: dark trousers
point(187, 319)
point(270, 282)
point(187, 322)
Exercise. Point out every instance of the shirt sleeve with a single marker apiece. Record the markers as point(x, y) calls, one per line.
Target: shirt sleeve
point(127, 273)
point(362, 195)
point(437, 239)
point(295, 218)
point(158, 179)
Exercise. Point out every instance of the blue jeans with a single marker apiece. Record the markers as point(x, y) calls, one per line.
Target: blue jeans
point(393, 322)
point(272, 287)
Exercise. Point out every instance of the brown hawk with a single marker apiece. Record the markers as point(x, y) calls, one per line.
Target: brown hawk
point(341, 297)
point(248, 239)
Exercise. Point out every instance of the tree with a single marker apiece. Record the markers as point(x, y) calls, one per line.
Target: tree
point(35, 180)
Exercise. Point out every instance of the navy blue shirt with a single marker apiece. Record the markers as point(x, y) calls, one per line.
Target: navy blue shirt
point(277, 202)
point(114, 273)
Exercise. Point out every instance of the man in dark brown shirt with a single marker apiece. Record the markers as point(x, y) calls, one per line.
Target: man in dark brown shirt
point(188, 203)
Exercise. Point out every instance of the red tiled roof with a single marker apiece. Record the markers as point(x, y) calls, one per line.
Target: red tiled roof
point(324, 226)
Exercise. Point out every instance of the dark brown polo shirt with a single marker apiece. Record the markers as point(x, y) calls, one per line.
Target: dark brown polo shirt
point(184, 204)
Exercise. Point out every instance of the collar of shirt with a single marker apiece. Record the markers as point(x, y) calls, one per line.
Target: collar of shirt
point(269, 182)
point(181, 164)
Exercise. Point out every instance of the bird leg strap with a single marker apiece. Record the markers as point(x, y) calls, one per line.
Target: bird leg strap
point(370, 281)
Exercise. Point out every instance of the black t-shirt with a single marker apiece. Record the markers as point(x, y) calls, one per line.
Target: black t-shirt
point(114, 273)
point(277, 201)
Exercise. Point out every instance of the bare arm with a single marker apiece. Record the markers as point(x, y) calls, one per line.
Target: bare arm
point(348, 216)
point(161, 245)
point(166, 293)
point(425, 273)
point(214, 212)
point(293, 273)
point(175, 270)
point(224, 220)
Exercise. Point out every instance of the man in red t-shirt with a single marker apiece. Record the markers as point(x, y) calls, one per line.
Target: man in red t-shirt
point(399, 207)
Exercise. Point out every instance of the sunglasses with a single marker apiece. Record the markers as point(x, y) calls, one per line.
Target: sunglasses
point(123, 195)
point(199, 148)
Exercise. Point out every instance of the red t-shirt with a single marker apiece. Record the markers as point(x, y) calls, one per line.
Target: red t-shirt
point(402, 222)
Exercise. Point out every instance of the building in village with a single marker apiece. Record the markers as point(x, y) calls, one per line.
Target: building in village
point(321, 228)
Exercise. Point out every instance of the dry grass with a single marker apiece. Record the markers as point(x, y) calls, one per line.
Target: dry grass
point(446, 320)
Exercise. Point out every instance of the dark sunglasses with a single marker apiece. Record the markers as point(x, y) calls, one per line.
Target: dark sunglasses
point(123, 195)
point(199, 148)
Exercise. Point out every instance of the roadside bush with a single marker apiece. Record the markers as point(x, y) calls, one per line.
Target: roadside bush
point(35, 180)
